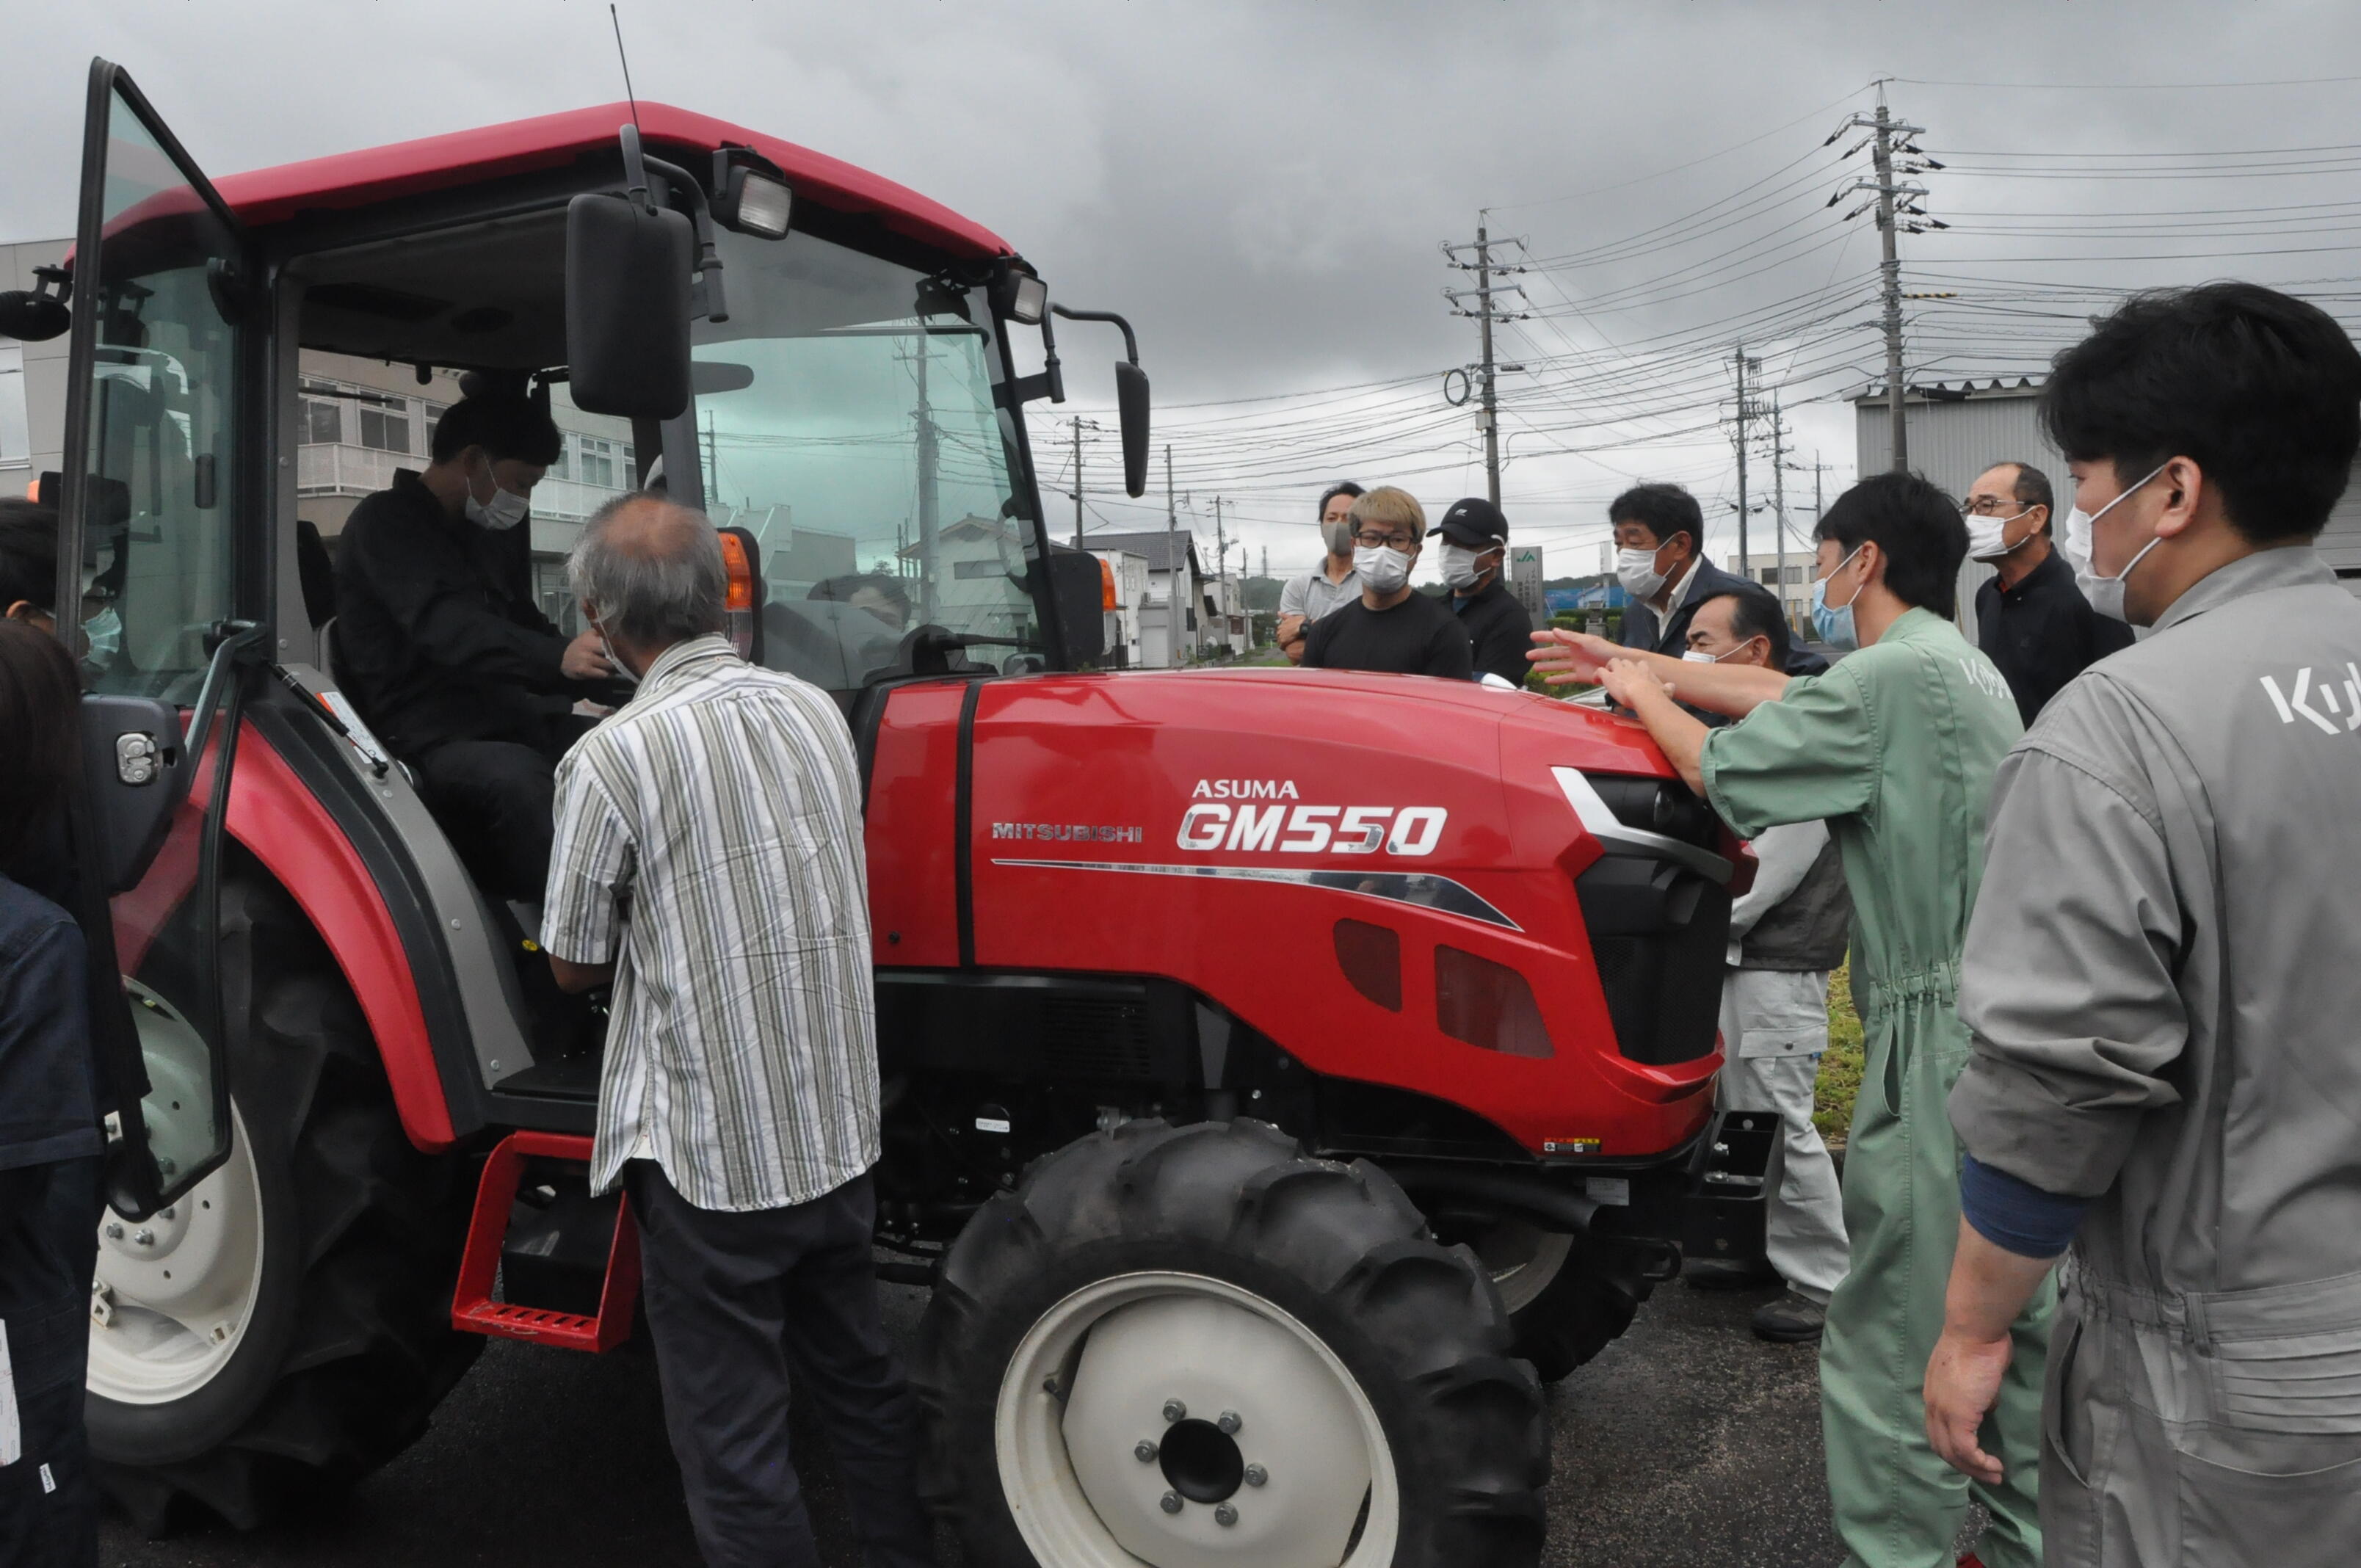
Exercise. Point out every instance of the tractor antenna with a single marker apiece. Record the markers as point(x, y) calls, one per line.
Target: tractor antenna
point(628, 94)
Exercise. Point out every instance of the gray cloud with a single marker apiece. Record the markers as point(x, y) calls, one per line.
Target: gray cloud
point(1262, 188)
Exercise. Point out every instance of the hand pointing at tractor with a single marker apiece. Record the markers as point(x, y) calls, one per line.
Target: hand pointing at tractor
point(1571, 656)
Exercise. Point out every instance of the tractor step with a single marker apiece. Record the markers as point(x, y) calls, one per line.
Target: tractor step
point(473, 1307)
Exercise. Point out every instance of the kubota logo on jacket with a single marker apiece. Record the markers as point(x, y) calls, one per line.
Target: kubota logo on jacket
point(2332, 706)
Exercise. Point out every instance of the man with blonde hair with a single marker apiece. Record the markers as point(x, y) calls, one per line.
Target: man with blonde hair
point(1391, 628)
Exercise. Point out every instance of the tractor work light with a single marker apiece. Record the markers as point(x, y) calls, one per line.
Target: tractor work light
point(764, 205)
point(1023, 296)
point(751, 196)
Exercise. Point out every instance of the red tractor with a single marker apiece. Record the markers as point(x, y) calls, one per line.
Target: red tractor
point(1280, 1069)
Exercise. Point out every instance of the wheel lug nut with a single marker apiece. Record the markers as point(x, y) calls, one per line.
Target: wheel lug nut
point(163, 1213)
point(1225, 1515)
point(143, 1237)
point(1169, 1502)
point(1257, 1475)
point(1229, 1423)
point(1050, 1386)
point(114, 1230)
point(1174, 1409)
point(1145, 1452)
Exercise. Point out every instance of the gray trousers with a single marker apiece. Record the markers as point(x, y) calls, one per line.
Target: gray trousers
point(737, 1301)
point(1803, 1219)
point(2158, 1453)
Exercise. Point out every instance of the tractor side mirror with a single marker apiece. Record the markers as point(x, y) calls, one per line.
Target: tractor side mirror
point(627, 307)
point(138, 772)
point(1131, 400)
point(1077, 587)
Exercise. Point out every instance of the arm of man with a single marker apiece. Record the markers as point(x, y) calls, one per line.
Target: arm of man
point(593, 860)
point(1731, 690)
point(1810, 756)
point(1783, 856)
point(2066, 987)
point(1291, 623)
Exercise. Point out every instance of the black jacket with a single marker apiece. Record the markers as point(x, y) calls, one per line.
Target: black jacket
point(1499, 628)
point(2043, 633)
point(436, 627)
point(1641, 630)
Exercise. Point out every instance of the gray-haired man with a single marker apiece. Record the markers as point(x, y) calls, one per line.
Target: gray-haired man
point(708, 861)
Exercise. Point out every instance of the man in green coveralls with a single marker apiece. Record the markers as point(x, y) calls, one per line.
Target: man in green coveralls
point(1894, 747)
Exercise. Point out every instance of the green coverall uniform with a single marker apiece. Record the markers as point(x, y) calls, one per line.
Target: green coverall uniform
point(1895, 747)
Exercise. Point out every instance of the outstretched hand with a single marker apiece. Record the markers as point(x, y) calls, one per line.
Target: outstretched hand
point(1570, 656)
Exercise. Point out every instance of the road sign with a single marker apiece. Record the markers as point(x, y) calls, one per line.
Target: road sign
point(1525, 581)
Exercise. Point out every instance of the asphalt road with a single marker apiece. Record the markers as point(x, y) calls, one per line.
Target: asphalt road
point(1687, 1441)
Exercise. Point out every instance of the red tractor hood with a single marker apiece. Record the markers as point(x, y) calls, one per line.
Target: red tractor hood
point(1257, 834)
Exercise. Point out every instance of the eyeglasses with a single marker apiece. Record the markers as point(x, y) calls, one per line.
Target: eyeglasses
point(1368, 541)
point(1986, 506)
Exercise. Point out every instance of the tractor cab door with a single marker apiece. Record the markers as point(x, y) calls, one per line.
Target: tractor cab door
point(160, 562)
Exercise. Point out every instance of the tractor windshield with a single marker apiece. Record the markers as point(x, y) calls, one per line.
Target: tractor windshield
point(845, 418)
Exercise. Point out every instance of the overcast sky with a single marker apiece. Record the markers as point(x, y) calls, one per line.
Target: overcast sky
point(1262, 190)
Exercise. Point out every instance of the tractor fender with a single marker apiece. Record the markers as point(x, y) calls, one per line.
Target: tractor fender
point(284, 825)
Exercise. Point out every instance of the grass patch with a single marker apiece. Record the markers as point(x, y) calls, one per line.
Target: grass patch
point(1840, 1067)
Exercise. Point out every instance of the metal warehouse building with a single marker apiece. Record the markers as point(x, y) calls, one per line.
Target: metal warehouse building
point(1955, 433)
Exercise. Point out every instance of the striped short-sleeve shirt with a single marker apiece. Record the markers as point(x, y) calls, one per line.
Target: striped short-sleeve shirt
point(708, 844)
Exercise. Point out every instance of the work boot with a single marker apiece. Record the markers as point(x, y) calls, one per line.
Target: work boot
point(1719, 1274)
point(1790, 1320)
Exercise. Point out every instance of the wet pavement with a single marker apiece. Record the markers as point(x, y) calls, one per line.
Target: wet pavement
point(1688, 1442)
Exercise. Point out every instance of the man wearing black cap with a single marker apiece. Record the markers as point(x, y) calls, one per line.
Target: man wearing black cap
point(1474, 544)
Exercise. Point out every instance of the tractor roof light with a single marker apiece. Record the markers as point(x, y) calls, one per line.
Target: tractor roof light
point(1023, 296)
point(751, 198)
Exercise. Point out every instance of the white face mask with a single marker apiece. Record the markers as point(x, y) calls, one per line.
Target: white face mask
point(502, 512)
point(1459, 568)
point(1699, 656)
point(1636, 570)
point(1987, 536)
point(1381, 567)
point(2106, 594)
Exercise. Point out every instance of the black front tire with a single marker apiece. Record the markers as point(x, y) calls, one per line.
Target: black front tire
point(1584, 1308)
point(1337, 1247)
point(348, 1346)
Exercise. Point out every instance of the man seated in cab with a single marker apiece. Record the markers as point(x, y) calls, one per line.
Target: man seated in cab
point(450, 660)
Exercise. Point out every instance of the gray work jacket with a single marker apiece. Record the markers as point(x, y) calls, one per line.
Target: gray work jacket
point(2162, 974)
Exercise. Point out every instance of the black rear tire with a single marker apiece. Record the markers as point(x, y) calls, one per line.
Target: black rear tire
point(1416, 1326)
point(348, 1346)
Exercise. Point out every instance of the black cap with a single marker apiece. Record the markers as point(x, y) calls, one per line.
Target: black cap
point(1475, 522)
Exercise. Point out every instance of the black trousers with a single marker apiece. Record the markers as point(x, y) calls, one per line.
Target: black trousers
point(496, 800)
point(736, 1302)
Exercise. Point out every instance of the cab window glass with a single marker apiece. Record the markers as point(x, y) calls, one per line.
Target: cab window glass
point(158, 552)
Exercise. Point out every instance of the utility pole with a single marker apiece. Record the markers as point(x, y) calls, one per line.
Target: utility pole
point(1748, 411)
point(1893, 154)
point(929, 502)
point(1779, 497)
point(1486, 370)
point(1173, 565)
point(1745, 561)
point(1080, 424)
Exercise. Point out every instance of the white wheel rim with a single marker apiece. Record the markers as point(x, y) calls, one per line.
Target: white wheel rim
point(1115, 1352)
point(1522, 1259)
point(174, 1292)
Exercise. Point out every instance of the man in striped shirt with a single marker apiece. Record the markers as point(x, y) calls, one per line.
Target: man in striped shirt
point(709, 864)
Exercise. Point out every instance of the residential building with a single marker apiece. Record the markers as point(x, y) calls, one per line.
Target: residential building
point(1168, 554)
point(1129, 571)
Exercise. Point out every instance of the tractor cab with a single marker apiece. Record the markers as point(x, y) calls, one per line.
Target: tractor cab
point(825, 362)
